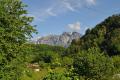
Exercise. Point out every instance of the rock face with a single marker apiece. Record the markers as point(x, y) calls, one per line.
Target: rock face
point(64, 39)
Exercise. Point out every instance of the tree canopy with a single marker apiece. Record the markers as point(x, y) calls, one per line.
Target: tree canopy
point(15, 29)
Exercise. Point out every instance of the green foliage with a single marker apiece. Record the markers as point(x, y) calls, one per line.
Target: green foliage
point(44, 55)
point(15, 29)
point(116, 61)
point(44, 52)
point(105, 35)
point(93, 64)
point(113, 42)
point(56, 76)
point(67, 61)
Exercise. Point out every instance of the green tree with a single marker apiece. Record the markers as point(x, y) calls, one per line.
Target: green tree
point(15, 29)
point(93, 64)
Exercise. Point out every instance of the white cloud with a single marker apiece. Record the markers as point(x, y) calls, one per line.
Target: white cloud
point(42, 14)
point(91, 2)
point(50, 12)
point(74, 26)
point(68, 5)
point(60, 7)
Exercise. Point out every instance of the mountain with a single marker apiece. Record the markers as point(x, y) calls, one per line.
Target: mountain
point(64, 39)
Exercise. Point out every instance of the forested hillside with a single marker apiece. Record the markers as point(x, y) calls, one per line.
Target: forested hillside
point(95, 56)
point(105, 35)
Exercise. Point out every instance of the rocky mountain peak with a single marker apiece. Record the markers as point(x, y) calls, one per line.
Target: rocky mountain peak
point(64, 39)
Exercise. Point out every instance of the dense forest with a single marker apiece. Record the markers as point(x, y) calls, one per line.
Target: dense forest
point(95, 56)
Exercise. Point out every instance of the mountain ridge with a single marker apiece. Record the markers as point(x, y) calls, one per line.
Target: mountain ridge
point(63, 39)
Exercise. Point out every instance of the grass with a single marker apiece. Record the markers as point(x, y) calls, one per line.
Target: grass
point(41, 74)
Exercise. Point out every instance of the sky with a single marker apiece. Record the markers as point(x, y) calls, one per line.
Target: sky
point(58, 16)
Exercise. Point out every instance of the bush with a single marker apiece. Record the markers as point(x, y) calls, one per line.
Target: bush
point(116, 61)
point(92, 64)
point(56, 76)
point(67, 61)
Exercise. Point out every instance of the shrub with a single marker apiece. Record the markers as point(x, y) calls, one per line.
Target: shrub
point(56, 76)
point(93, 64)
